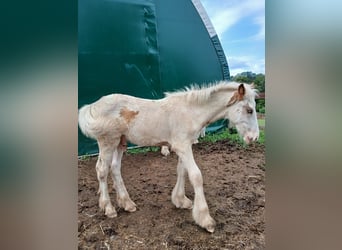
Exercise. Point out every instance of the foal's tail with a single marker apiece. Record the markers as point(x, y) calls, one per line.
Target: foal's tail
point(86, 121)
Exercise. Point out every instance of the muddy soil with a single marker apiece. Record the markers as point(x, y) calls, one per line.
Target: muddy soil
point(234, 186)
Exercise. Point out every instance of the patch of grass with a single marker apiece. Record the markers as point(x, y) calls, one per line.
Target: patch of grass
point(234, 137)
point(222, 135)
point(261, 122)
point(140, 150)
point(84, 157)
point(261, 139)
point(214, 137)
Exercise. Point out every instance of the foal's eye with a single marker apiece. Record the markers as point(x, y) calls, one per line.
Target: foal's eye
point(249, 110)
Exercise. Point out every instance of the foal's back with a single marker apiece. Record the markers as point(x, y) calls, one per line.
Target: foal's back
point(142, 121)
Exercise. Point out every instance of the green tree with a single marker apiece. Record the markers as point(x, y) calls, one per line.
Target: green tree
point(243, 79)
point(260, 105)
point(259, 82)
point(249, 77)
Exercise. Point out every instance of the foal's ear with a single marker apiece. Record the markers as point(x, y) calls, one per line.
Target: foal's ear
point(241, 91)
point(238, 95)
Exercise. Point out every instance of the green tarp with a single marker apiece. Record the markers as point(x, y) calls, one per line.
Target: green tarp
point(143, 48)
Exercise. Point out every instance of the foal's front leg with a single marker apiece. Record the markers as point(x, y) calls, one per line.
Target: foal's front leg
point(123, 198)
point(200, 211)
point(178, 193)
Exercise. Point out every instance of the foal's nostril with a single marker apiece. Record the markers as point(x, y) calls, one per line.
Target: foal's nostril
point(252, 138)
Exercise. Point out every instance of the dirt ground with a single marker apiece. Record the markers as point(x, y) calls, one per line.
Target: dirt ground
point(234, 186)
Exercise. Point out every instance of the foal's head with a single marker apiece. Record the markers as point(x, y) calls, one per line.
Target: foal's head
point(242, 114)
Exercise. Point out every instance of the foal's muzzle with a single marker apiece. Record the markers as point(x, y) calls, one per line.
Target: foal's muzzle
point(251, 137)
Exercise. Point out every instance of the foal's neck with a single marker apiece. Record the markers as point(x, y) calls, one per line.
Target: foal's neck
point(216, 107)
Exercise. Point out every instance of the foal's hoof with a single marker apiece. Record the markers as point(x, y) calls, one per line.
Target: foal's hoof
point(130, 207)
point(183, 202)
point(127, 204)
point(165, 151)
point(210, 228)
point(186, 203)
point(209, 225)
point(111, 212)
point(204, 220)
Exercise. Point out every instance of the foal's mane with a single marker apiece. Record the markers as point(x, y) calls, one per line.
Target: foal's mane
point(201, 94)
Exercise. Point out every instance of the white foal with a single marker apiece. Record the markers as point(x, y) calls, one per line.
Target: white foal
point(175, 121)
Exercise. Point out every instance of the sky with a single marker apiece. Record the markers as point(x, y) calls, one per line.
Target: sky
point(240, 26)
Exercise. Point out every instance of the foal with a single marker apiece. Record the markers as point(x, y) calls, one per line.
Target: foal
point(175, 121)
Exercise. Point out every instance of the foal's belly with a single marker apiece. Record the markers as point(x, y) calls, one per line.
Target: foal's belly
point(146, 140)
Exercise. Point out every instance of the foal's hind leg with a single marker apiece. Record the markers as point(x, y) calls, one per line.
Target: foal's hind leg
point(102, 169)
point(123, 198)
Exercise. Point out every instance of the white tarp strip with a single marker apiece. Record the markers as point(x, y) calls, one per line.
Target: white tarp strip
point(206, 20)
